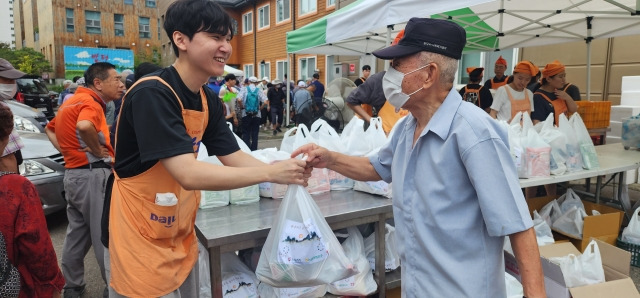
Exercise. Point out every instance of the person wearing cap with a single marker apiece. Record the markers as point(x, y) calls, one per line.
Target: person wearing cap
point(165, 118)
point(301, 96)
point(476, 93)
point(515, 97)
point(366, 71)
point(550, 97)
point(251, 121)
point(450, 231)
point(11, 156)
point(276, 98)
point(80, 132)
point(72, 90)
point(263, 85)
point(500, 79)
point(65, 91)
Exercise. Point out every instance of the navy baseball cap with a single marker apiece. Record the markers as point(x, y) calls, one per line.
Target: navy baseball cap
point(431, 35)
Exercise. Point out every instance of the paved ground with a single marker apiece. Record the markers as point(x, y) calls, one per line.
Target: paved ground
point(58, 222)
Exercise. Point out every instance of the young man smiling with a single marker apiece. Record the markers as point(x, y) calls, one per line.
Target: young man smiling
point(164, 119)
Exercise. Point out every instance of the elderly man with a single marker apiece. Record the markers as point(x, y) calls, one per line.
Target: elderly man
point(450, 231)
point(65, 91)
point(80, 132)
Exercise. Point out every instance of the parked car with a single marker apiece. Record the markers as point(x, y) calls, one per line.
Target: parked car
point(33, 92)
point(43, 165)
point(26, 118)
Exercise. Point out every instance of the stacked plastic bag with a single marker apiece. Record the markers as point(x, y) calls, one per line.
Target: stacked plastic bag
point(237, 279)
point(319, 181)
point(391, 254)
point(582, 270)
point(566, 214)
point(268, 156)
point(361, 284)
point(530, 152)
point(326, 136)
point(631, 233)
point(375, 139)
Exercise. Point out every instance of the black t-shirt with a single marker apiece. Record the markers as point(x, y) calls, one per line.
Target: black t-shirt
point(276, 97)
point(486, 99)
point(151, 125)
point(541, 106)
point(359, 81)
point(573, 91)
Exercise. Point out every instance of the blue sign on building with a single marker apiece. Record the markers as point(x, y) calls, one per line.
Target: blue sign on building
point(78, 59)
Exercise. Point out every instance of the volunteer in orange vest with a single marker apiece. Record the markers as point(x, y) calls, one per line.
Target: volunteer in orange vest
point(476, 93)
point(500, 79)
point(80, 132)
point(368, 99)
point(514, 97)
point(550, 97)
point(164, 119)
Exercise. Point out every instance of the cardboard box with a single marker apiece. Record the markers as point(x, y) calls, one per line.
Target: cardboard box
point(615, 263)
point(605, 227)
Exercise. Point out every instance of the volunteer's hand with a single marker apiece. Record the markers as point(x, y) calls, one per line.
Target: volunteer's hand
point(562, 95)
point(104, 152)
point(317, 157)
point(292, 171)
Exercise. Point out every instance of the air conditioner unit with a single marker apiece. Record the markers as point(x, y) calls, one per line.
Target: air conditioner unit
point(340, 70)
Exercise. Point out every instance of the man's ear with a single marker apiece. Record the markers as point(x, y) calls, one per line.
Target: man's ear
point(180, 40)
point(433, 75)
point(97, 83)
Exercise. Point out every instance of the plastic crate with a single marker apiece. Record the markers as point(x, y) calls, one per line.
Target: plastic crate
point(595, 114)
point(634, 249)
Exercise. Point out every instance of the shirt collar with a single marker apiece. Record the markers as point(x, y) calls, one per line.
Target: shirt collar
point(440, 123)
point(93, 94)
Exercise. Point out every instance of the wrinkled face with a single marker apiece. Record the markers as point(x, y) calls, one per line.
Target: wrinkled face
point(208, 52)
point(558, 81)
point(499, 69)
point(521, 80)
point(111, 88)
point(366, 73)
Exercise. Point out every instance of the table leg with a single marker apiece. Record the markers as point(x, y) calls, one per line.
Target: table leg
point(598, 188)
point(215, 269)
point(380, 256)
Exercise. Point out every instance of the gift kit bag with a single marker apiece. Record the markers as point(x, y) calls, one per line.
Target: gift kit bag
point(538, 155)
point(551, 212)
point(211, 198)
point(301, 249)
point(587, 149)
point(571, 223)
point(574, 157)
point(361, 284)
point(244, 195)
point(631, 233)
point(326, 136)
point(558, 142)
point(516, 143)
point(582, 270)
point(391, 255)
point(237, 280)
point(569, 199)
point(543, 230)
point(353, 137)
point(269, 156)
point(267, 291)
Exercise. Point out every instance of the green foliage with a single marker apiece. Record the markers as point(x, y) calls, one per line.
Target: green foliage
point(57, 88)
point(26, 60)
point(150, 55)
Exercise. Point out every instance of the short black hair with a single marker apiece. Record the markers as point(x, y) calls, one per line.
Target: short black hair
point(366, 67)
point(285, 75)
point(144, 69)
point(192, 16)
point(98, 70)
point(316, 75)
point(230, 77)
point(76, 78)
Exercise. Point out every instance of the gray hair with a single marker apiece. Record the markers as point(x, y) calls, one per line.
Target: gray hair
point(448, 67)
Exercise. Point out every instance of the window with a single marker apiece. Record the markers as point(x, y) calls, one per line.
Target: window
point(248, 70)
point(263, 17)
point(118, 24)
point(150, 3)
point(307, 6)
point(143, 26)
point(128, 2)
point(93, 22)
point(282, 67)
point(283, 10)
point(234, 25)
point(159, 29)
point(70, 26)
point(331, 3)
point(247, 23)
point(265, 70)
point(307, 67)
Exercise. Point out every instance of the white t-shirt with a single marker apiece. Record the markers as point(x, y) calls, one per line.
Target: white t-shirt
point(502, 104)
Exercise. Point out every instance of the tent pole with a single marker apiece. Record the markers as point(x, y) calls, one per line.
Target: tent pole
point(588, 40)
point(386, 63)
point(289, 78)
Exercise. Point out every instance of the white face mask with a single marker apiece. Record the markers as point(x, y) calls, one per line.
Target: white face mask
point(8, 90)
point(392, 86)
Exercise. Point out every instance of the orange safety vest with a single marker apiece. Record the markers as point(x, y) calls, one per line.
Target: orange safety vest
point(153, 248)
point(495, 85)
point(472, 99)
point(559, 107)
point(519, 105)
point(389, 116)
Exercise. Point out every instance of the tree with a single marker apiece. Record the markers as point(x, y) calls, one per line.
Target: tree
point(147, 56)
point(26, 60)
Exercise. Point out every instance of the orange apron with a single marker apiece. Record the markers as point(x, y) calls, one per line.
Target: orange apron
point(559, 106)
point(153, 248)
point(495, 85)
point(389, 116)
point(468, 90)
point(519, 105)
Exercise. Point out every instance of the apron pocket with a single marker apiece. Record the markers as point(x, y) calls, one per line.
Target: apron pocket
point(160, 222)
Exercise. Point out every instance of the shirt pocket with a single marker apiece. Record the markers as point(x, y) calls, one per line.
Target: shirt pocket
point(159, 222)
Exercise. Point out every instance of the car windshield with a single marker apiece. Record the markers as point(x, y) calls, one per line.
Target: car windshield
point(32, 86)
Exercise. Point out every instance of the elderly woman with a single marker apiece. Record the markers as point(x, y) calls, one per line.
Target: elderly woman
point(24, 228)
point(514, 97)
point(550, 97)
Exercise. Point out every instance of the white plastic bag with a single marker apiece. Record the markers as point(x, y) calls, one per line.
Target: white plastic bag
point(514, 287)
point(380, 187)
point(301, 249)
point(325, 136)
point(391, 255)
point(516, 144)
point(574, 157)
point(353, 137)
point(558, 142)
point(551, 212)
point(267, 291)
point(571, 222)
point(543, 230)
point(538, 155)
point(375, 135)
point(268, 156)
point(361, 284)
point(587, 149)
point(211, 198)
point(569, 199)
point(244, 195)
point(631, 233)
point(292, 142)
point(582, 270)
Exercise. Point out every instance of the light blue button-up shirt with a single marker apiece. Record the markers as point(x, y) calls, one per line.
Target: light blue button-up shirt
point(456, 195)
